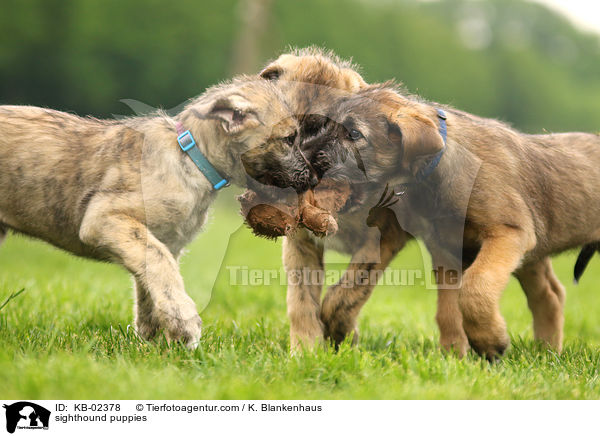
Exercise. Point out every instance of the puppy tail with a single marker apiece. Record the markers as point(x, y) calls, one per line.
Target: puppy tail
point(583, 259)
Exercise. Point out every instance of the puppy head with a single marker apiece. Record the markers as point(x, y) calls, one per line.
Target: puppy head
point(312, 79)
point(375, 136)
point(315, 66)
point(250, 121)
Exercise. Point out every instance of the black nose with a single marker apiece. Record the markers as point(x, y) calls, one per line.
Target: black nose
point(314, 179)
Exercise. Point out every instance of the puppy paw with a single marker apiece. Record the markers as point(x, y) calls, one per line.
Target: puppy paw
point(305, 341)
point(146, 328)
point(336, 329)
point(181, 323)
point(187, 331)
point(489, 340)
point(456, 343)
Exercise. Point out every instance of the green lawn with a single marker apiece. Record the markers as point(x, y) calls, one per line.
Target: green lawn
point(66, 335)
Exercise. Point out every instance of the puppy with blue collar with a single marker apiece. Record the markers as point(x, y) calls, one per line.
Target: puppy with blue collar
point(136, 191)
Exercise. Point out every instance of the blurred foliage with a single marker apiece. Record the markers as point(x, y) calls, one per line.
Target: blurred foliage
point(509, 59)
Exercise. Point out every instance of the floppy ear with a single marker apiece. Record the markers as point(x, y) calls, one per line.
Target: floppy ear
point(271, 72)
point(353, 81)
point(234, 112)
point(418, 138)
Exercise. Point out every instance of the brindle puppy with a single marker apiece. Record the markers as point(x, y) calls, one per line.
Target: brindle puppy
point(125, 192)
point(516, 199)
point(313, 78)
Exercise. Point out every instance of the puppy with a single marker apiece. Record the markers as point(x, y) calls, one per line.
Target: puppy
point(126, 191)
point(314, 78)
point(486, 199)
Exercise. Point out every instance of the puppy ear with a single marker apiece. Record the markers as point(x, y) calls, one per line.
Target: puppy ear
point(352, 81)
point(234, 112)
point(417, 137)
point(271, 72)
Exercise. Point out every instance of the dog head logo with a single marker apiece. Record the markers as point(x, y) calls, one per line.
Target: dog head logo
point(26, 415)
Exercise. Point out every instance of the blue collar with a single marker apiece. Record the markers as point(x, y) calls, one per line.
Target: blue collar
point(432, 165)
point(188, 144)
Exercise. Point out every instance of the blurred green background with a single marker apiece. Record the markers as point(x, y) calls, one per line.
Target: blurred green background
point(509, 59)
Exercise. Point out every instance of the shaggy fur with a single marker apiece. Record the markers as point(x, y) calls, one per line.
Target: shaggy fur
point(313, 79)
point(499, 203)
point(124, 192)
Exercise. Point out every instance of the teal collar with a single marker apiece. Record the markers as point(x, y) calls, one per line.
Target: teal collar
point(188, 144)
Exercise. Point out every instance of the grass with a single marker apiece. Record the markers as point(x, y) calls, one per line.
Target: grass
point(67, 335)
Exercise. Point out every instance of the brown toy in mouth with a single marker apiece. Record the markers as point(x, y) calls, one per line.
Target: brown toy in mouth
point(315, 209)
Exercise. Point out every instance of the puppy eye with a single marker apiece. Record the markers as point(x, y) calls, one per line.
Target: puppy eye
point(289, 140)
point(237, 115)
point(354, 134)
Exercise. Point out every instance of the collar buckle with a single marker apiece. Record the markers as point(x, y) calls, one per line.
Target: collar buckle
point(187, 143)
point(186, 140)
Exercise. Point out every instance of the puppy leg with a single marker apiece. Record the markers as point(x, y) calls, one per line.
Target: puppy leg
point(545, 298)
point(164, 304)
point(345, 299)
point(482, 286)
point(303, 260)
point(146, 324)
point(448, 315)
point(450, 322)
point(2, 234)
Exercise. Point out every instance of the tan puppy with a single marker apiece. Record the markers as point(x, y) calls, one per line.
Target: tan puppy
point(313, 79)
point(125, 192)
point(513, 200)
